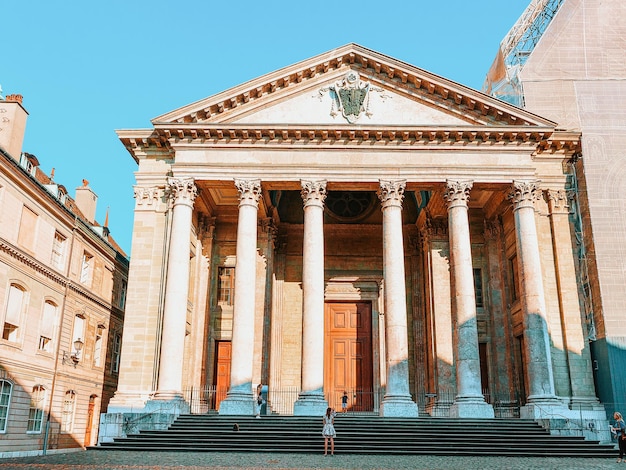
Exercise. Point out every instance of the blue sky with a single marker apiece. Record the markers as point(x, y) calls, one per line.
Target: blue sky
point(87, 68)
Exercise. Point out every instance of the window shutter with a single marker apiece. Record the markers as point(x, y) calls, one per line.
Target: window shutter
point(14, 307)
point(48, 321)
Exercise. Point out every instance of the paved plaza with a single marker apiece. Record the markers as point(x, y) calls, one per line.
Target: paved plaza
point(113, 460)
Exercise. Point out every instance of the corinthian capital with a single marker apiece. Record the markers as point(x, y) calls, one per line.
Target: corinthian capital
point(249, 192)
point(457, 193)
point(182, 190)
point(147, 195)
point(313, 193)
point(557, 201)
point(391, 193)
point(524, 193)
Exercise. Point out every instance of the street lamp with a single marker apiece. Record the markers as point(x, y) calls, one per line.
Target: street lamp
point(74, 357)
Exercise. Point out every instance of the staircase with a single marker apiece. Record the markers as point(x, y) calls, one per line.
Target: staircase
point(361, 435)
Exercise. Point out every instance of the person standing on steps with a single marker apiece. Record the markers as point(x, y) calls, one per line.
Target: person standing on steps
point(328, 431)
point(259, 400)
point(620, 430)
point(344, 402)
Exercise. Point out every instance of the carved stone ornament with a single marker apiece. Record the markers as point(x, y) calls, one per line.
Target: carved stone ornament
point(313, 192)
point(457, 193)
point(391, 193)
point(557, 200)
point(147, 195)
point(351, 96)
point(249, 191)
point(182, 190)
point(524, 193)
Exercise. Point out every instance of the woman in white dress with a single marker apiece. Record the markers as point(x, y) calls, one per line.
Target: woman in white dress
point(328, 431)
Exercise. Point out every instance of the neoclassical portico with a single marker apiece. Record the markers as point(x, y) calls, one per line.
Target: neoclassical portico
point(399, 263)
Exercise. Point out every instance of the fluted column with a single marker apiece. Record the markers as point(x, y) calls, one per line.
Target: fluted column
point(311, 401)
point(538, 362)
point(576, 346)
point(469, 401)
point(397, 400)
point(183, 192)
point(240, 399)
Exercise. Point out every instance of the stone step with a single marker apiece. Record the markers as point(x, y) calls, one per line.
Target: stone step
point(361, 435)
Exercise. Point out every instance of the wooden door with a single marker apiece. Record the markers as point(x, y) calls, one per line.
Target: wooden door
point(348, 355)
point(222, 370)
point(90, 411)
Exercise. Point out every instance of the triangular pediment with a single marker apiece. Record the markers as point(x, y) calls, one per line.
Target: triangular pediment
point(352, 86)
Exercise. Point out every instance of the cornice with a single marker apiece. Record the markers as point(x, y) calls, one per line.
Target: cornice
point(32, 263)
point(169, 136)
point(53, 275)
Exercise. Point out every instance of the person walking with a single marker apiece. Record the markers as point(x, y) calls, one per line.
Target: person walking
point(620, 430)
point(328, 431)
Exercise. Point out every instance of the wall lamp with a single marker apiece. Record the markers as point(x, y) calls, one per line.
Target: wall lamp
point(74, 357)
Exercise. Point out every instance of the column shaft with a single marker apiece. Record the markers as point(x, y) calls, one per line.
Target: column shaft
point(311, 400)
point(397, 400)
point(469, 401)
point(240, 399)
point(183, 193)
point(536, 339)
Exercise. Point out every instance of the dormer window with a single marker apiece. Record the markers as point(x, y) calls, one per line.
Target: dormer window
point(29, 163)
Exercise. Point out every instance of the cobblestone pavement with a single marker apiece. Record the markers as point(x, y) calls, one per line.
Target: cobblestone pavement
point(113, 460)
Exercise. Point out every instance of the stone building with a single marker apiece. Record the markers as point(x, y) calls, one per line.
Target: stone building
point(354, 223)
point(565, 61)
point(62, 293)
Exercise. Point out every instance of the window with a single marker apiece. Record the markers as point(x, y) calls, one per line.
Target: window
point(67, 413)
point(6, 388)
point(28, 225)
point(13, 317)
point(35, 412)
point(116, 353)
point(226, 288)
point(478, 287)
point(86, 269)
point(123, 289)
point(514, 278)
point(97, 349)
point(120, 287)
point(58, 250)
point(48, 323)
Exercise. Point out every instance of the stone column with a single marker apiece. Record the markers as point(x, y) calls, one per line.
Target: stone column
point(501, 330)
point(397, 400)
point(182, 191)
point(538, 362)
point(199, 334)
point(436, 247)
point(240, 397)
point(311, 401)
point(469, 401)
point(575, 343)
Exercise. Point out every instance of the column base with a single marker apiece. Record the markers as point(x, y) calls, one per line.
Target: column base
point(310, 404)
point(123, 402)
point(239, 404)
point(154, 415)
point(398, 407)
point(168, 395)
point(471, 409)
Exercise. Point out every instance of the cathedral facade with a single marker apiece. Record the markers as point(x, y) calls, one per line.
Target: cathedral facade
point(355, 224)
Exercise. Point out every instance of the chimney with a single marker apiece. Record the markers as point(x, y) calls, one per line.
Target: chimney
point(86, 201)
point(12, 125)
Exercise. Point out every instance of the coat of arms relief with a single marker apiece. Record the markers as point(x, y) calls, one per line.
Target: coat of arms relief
point(351, 97)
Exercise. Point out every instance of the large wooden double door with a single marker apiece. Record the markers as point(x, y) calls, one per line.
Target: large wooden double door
point(348, 355)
